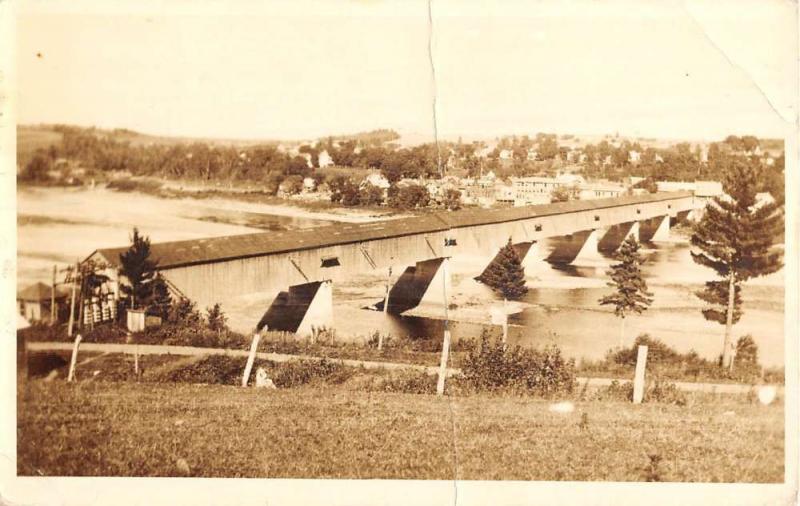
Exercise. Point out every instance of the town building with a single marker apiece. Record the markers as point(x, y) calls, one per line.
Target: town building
point(35, 302)
point(589, 191)
point(325, 159)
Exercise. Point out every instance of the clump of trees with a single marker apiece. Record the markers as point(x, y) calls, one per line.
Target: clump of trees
point(735, 239)
point(505, 274)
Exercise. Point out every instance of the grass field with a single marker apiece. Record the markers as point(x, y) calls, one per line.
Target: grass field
point(130, 429)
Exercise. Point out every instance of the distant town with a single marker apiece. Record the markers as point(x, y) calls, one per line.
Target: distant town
point(375, 169)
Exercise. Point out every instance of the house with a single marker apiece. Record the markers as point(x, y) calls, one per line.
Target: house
point(634, 156)
point(325, 159)
point(377, 179)
point(34, 302)
point(601, 190)
point(533, 155)
point(506, 154)
point(309, 185)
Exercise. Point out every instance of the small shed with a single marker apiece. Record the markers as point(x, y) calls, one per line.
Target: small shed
point(34, 302)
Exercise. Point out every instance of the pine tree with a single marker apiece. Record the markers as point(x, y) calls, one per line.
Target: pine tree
point(138, 269)
point(735, 239)
point(159, 300)
point(506, 274)
point(216, 318)
point(631, 294)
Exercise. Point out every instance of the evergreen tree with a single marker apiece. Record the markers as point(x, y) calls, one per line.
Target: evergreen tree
point(138, 269)
point(160, 300)
point(216, 318)
point(735, 239)
point(631, 294)
point(505, 274)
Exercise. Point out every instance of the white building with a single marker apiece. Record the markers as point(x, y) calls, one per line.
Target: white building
point(534, 190)
point(591, 191)
point(506, 154)
point(325, 159)
point(634, 156)
point(377, 179)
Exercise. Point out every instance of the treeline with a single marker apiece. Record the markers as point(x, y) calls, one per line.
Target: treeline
point(98, 152)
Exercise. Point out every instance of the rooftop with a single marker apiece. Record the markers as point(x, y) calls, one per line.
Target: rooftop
point(38, 292)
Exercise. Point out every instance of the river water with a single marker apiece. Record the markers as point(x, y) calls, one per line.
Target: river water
point(58, 226)
point(562, 308)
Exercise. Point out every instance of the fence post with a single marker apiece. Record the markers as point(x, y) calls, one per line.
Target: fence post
point(71, 310)
point(638, 379)
point(443, 365)
point(74, 359)
point(250, 359)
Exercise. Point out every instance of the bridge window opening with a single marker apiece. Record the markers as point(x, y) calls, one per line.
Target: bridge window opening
point(638, 211)
point(596, 218)
point(450, 242)
point(537, 228)
point(669, 206)
point(330, 262)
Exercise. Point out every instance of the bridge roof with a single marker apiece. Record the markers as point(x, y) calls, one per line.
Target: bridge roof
point(175, 254)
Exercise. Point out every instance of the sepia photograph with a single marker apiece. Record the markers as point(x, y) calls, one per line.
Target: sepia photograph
point(422, 243)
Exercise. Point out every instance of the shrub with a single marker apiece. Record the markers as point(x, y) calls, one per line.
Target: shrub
point(216, 319)
point(491, 366)
point(293, 374)
point(666, 362)
point(176, 334)
point(745, 365)
point(215, 369)
point(655, 391)
point(184, 312)
point(408, 382)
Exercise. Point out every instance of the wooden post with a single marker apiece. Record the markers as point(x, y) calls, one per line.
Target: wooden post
point(74, 359)
point(443, 364)
point(136, 361)
point(71, 311)
point(638, 379)
point(53, 299)
point(250, 359)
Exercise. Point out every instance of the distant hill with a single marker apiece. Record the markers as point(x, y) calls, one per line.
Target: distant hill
point(33, 137)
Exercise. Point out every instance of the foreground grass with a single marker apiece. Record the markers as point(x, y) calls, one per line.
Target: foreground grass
point(129, 429)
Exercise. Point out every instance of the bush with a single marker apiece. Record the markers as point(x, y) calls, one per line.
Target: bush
point(176, 334)
point(408, 382)
point(491, 366)
point(655, 391)
point(220, 369)
point(294, 374)
point(215, 369)
point(669, 363)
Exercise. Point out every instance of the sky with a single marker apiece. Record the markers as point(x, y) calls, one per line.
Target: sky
point(303, 69)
